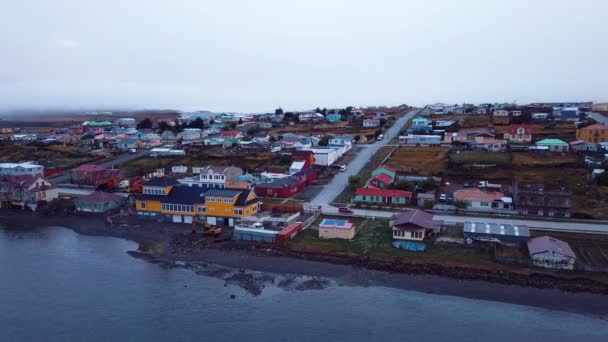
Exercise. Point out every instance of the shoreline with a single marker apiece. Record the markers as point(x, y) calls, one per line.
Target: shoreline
point(345, 270)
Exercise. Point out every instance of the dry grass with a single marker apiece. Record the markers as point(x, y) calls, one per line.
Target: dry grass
point(480, 157)
point(547, 160)
point(424, 161)
point(63, 149)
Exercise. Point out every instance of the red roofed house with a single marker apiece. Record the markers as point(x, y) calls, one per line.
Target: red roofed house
point(479, 200)
point(382, 197)
point(90, 174)
point(382, 177)
point(519, 134)
point(231, 134)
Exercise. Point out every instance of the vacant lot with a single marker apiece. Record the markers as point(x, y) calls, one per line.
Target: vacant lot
point(480, 157)
point(47, 156)
point(420, 160)
point(547, 160)
point(254, 162)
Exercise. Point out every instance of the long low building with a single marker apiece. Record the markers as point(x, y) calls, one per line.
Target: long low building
point(495, 233)
point(412, 139)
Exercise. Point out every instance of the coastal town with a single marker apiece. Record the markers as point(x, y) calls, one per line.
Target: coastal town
point(514, 188)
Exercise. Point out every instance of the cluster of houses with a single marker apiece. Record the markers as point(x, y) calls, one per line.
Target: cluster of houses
point(425, 131)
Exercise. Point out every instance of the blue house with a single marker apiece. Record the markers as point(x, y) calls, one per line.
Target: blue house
point(333, 117)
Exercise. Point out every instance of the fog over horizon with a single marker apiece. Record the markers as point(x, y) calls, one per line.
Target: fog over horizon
point(253, 56)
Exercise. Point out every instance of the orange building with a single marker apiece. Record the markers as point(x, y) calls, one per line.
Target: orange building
point(165, 199)
point(595, 133)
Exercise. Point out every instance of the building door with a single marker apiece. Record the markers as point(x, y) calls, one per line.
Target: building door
point(187, 219)
point(212, 220)
point(177, 218)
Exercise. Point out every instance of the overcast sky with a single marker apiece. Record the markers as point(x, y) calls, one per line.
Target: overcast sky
point(243, 55)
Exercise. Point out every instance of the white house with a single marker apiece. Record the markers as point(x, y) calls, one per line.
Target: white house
point(371, 123)
point(484, 201)
point(20, 169)
point(501, 113)
point(212, 176)
point(345, 140)
point(26, 191)
point(326, 156)
point(190, 134)
point(23, 138)
point(179, 169)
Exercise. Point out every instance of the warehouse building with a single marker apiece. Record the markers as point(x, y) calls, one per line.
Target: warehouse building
point(506, 234)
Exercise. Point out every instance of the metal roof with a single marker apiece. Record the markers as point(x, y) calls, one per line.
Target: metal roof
point(496, 229)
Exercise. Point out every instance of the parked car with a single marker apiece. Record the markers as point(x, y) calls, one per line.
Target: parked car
point(342, 168)
point(466, 184)
point(345, 210)
point(449, 200)
point(443, 197)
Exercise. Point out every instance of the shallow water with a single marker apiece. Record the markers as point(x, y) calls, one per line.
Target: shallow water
point(56, 285)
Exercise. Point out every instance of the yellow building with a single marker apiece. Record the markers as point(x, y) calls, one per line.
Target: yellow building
point(165, 199)
point(595, 133)
point(600, 107)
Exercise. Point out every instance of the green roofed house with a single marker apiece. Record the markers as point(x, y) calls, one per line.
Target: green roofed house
point(554, 145)
point(96, 126)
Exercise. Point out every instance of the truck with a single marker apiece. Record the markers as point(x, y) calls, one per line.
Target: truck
point(488, 185)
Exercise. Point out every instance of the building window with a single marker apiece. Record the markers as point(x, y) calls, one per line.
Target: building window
point(484, 204)
point(238, 211)
point(142, 204)
point(202, 209)
point(416, 235)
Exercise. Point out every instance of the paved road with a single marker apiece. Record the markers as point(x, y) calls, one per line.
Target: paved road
point(550, 225)
point(340, 181)
point(122, 159)
point(544, 225)
point(598, 117)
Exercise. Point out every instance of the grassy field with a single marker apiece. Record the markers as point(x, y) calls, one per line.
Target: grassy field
point(480, 157)
point(419, 160)
point(374, 239)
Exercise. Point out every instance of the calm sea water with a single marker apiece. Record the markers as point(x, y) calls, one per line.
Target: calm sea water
point(56, 285)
